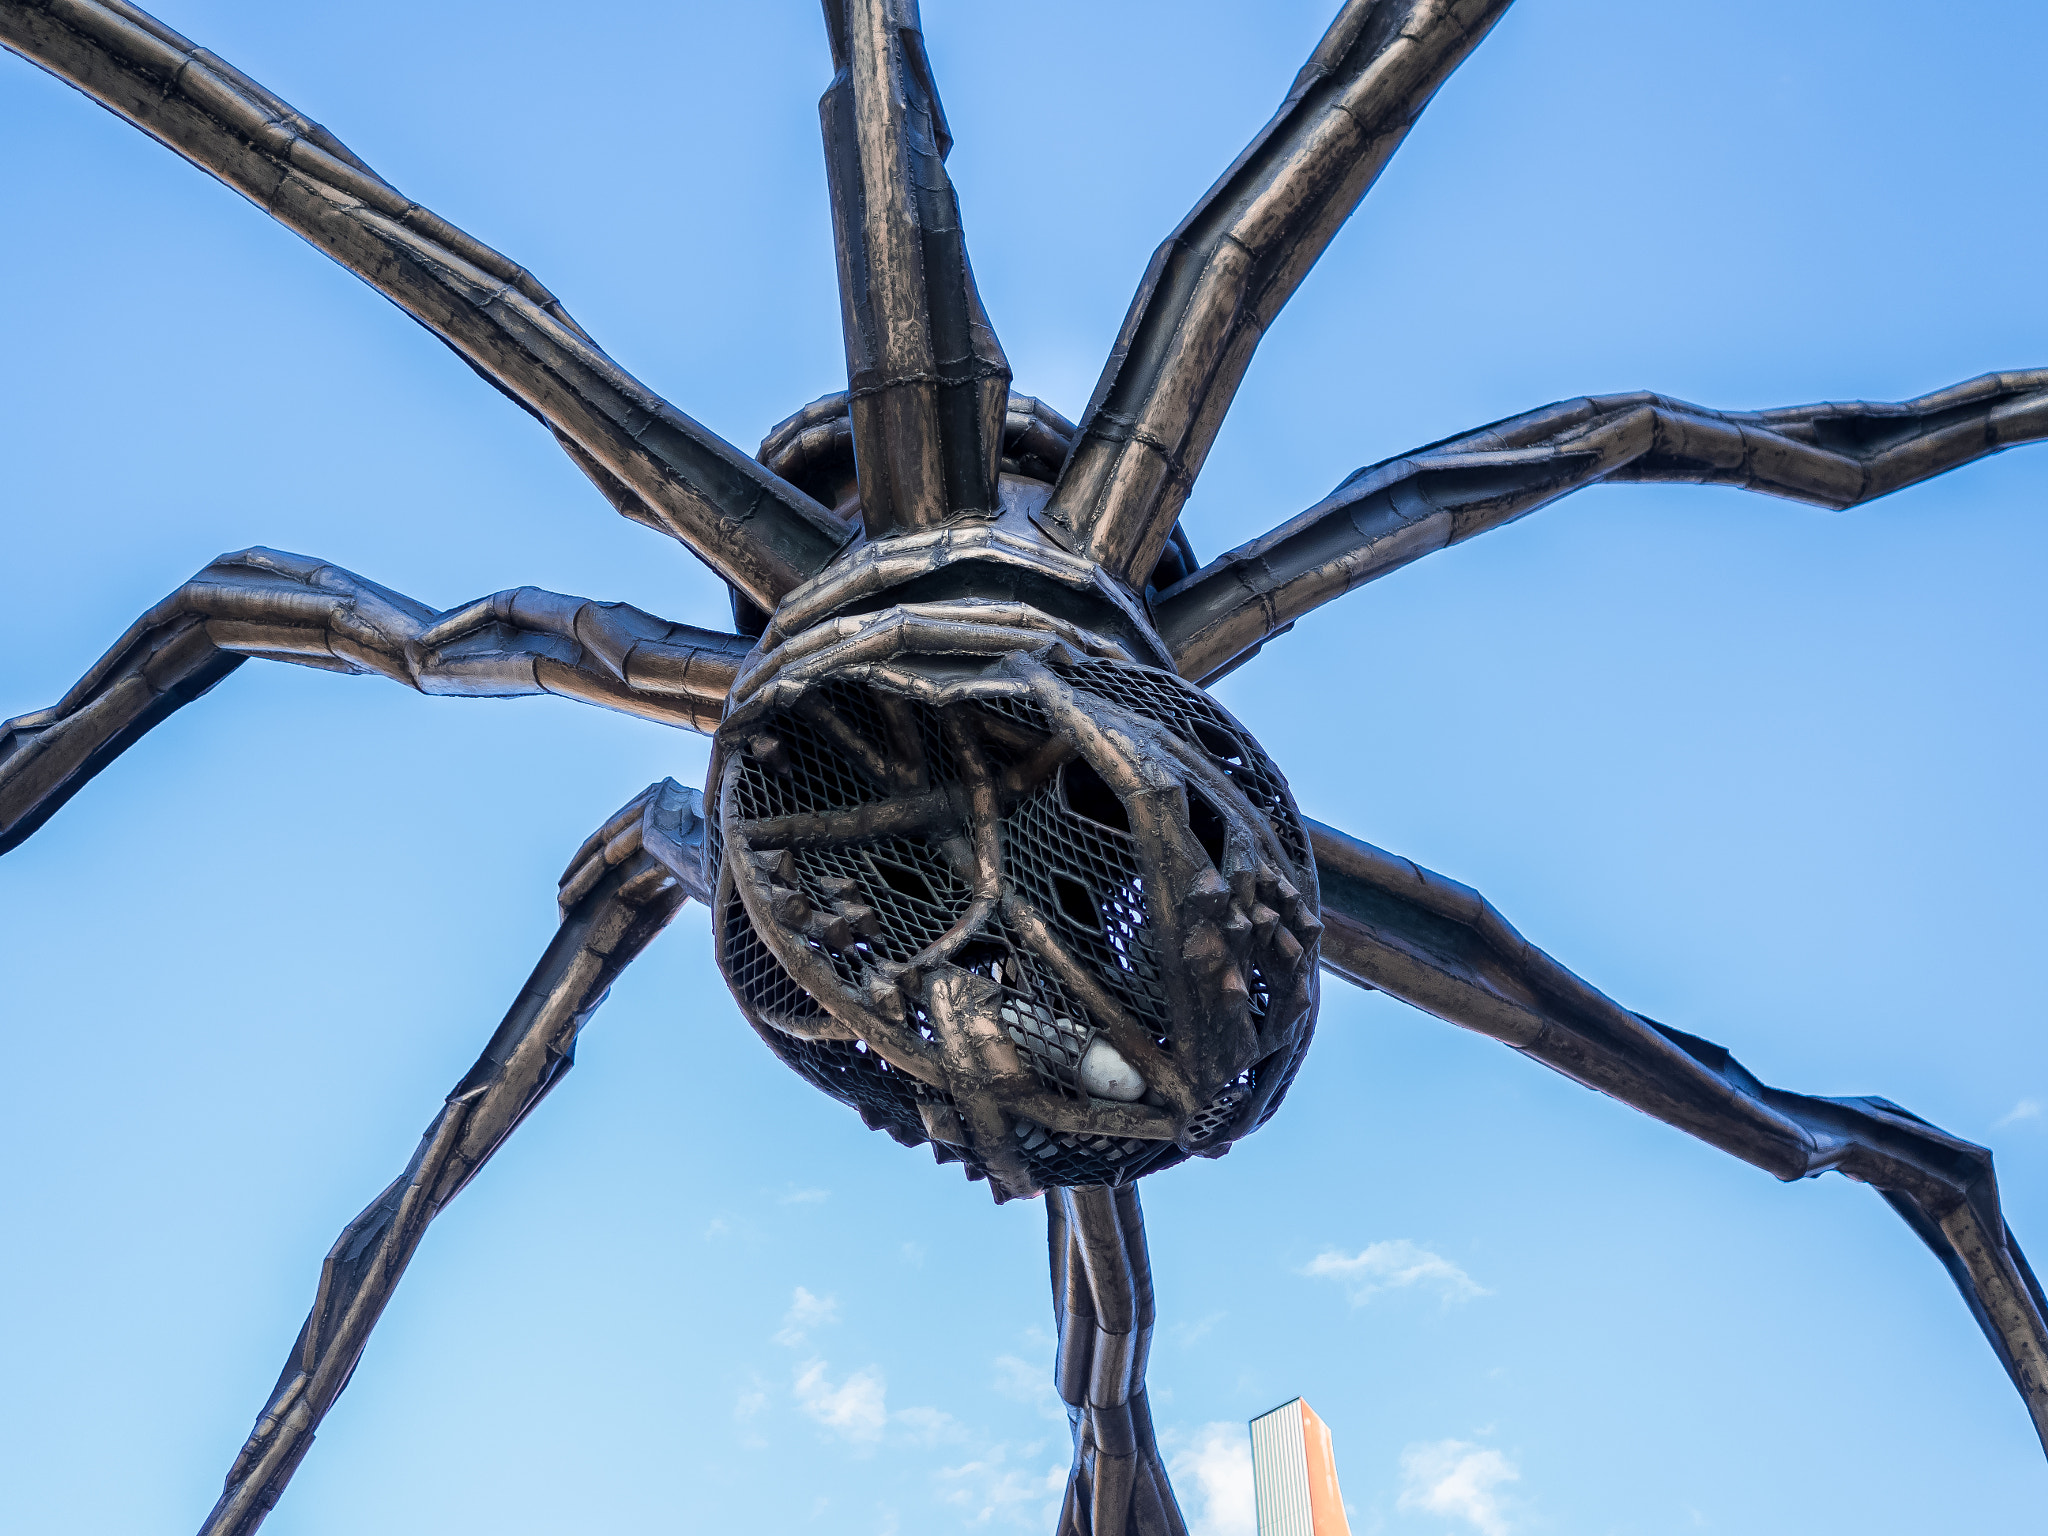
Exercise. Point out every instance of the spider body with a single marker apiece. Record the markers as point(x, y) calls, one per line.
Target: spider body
point(970, 639)
point(988, 870)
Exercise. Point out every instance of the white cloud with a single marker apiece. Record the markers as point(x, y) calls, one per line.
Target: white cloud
point(1456, 1479)
point(929, 1426)
point(805, 1313)
point(2026, 1109)
point(1212, 1472)
point(1022, 1382)
point(856, 1409)
point(805, 1197)
point(1187, 1335)
point(913, 1255)
point(991, 1488)
point(1393, 1265)
point(751, 1401)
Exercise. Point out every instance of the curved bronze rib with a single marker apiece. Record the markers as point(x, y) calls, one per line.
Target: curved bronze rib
point(652, 462)
point(1391, 925)
point(1384, 516)
point(1218, 281)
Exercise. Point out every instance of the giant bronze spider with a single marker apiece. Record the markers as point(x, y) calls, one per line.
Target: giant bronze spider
point(981, 864)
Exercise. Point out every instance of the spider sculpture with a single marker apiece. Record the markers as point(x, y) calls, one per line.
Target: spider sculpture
point(982, 858)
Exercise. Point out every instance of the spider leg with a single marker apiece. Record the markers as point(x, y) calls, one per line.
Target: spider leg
point(927, 379)
point(1222, 277)
point(283, 607)
point(1384, 516)
point(653, 463)
point(1439, 946)
point(620, 890)
point(1102, 1301)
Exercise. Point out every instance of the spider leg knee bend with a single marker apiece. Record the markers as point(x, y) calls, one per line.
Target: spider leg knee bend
point(283, 607)
point(620, 890)
point(1438, 945)
point(1224, 274)
point(653, 463)
point(1383, 516)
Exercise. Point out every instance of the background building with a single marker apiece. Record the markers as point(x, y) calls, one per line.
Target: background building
point(1294, 1474)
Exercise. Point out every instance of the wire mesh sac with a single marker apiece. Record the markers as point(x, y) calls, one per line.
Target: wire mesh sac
point(1050, 912)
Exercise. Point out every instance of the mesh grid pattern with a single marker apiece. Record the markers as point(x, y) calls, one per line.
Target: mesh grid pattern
point(938, 752)
point(845, 1069)
point(908, 881)
point(1058, 1158)
point(1023, 712)
point(1051, 1026)
point(821, 775)
point(857, 707)
point(854, 1075)
point(1044, 843)
point(1219, 1111)
point(1083, 875)
point(889, 873)
point(1052, 1042)
point(820, 778)
point(756, 975)
point(1197, 718)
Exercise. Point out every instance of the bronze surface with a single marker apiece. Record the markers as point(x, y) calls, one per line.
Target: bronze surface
point(973, 633)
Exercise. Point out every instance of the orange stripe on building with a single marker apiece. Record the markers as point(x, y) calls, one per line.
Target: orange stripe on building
point(1294, 1474)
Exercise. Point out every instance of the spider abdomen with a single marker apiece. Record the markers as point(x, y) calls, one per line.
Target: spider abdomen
point(1009, 891)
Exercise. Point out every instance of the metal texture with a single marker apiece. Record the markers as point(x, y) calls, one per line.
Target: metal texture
point(653, 463)
point(1441, 947)
point(1219, 280)
point(1383, 516)
point(1102, 1306)
point(1011, 893)
point(982, 859)
point(925, 374)
point(265, 603)
point(619, 891)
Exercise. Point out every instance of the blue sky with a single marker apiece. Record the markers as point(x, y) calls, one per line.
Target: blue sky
point(1766, 773)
